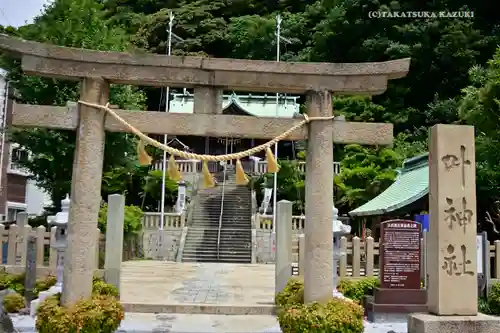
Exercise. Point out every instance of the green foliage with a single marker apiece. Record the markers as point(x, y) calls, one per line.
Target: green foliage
point(483, 306)
point(4, 280)
point(16, 283)
point(13, 303)
point(290, 184)
point(493, 305)
point(480, 107)
point(132, 222)
point(337, 315)
point(140, 186)
point(102, 313)
point(293, 293)
point(105, 289)
point(364, 173)
point(357, 289)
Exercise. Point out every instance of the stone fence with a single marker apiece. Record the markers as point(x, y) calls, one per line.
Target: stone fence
point(151, 220)
point(14, 245)
point(187, 167)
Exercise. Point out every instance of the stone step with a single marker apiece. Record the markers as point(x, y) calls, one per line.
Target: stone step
point(225, 232)
point(209, 252)
point(197, 242)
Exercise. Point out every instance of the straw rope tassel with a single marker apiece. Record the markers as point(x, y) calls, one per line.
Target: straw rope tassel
point(241, 177)
point(142, 155)
point(172, 170)
point(272, 164)
point(208, 179)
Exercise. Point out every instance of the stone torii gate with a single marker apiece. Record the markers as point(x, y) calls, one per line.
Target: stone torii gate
point(209, 77)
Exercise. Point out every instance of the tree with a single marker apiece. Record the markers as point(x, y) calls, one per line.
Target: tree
point(364, 173)
point(480, 107)
point(290, 185)
point(140, 186)
point(76, 24)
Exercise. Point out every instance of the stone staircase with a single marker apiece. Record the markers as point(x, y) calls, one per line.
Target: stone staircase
point(235, 237)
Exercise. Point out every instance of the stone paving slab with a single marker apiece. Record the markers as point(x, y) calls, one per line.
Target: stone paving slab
point(188, 323)
point(161, 282)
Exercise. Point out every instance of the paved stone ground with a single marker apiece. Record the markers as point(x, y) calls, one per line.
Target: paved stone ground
point(155, 282)
point(186, 323)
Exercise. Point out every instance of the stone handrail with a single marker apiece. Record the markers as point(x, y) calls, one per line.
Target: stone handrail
point(259, 167)
point(151, 220)
point(265, 222)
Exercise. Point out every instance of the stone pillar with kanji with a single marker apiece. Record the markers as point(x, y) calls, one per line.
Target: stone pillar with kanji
point(451, 241)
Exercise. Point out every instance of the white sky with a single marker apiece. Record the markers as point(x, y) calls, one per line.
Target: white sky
point(17, 12)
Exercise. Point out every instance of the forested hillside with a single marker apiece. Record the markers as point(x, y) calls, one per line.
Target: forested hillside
point(454, 75)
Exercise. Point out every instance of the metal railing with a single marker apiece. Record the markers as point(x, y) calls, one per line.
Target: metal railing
point(221, 208)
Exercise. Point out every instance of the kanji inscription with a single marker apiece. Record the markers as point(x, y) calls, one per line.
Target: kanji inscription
point(456, 265)
point(453, 161)
point(462, 216)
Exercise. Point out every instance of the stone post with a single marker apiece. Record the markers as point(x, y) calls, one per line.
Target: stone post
point(21, 244)
point(284, 259)
point(207, 100)
point(318, 273)
point(114, 239)
point(302, 254)
point(451, 240)
point(85, 193)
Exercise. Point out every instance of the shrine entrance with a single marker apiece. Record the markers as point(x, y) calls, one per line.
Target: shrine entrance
point(92, 117)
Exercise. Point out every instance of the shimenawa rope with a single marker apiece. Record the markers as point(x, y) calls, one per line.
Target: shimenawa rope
point(212, 158)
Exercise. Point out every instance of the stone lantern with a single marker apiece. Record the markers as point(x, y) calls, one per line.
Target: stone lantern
point(338, 230)
point(60, 221)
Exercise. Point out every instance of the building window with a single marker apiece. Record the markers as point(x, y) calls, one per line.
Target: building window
point(18, 156)
point(12, 213)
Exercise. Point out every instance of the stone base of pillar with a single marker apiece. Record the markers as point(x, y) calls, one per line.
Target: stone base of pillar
point(428, 323)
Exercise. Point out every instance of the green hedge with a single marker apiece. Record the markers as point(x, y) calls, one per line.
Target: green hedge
point(102, 313)
point(334, 315)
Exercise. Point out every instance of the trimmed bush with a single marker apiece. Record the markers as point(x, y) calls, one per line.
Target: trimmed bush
point(4, 280)
point(338, 315)
point(101, 314)
point(357, 289)
point(17, 283)
point(292, 294)
point(100, 287)
point(13, 303)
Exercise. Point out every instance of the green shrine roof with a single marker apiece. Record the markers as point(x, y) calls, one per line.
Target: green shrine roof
point(411, 185)
point(252, 105)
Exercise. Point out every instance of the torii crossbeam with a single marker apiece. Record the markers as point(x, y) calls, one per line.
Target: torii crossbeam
point(209, 77)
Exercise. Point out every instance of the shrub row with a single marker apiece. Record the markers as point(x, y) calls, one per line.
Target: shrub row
point(16, 301)
point(334, 315)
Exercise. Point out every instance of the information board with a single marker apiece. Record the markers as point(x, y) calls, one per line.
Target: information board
point(400, 254)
